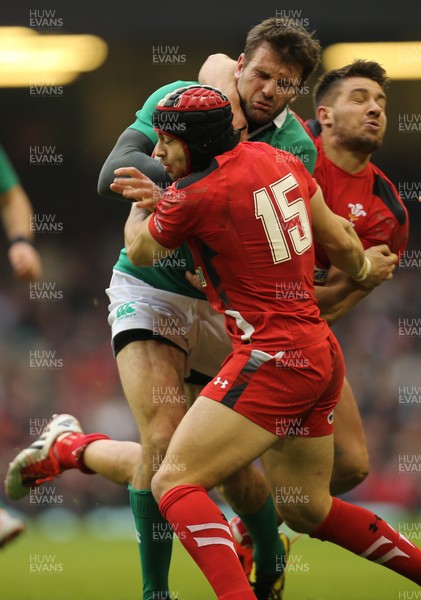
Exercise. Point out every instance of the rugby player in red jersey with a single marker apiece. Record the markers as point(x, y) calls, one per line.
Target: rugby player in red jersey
point(351, 120)
point(251, 230)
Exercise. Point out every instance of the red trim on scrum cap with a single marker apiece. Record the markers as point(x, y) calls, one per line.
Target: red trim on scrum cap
point(195, 97)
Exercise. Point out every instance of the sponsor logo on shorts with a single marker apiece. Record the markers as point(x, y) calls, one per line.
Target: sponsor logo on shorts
point(125, 310)
point(223, 384)
point(330, 418)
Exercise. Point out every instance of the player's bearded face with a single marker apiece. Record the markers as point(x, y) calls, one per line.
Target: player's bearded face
point(265, 85)
point(172, 155)
point(358, 115)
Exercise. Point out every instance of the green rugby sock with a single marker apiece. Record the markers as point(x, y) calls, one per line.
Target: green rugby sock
point(268, 550)
point(154, 535)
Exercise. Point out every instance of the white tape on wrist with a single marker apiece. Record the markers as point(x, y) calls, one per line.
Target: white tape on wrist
point(364, 271)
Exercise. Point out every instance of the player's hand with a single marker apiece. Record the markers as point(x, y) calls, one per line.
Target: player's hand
point(383, 263)
point(135, 186)
point(25, 261)
point(239, 121)
point(194, 280)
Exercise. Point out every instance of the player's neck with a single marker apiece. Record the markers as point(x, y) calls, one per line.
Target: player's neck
point(347, 160)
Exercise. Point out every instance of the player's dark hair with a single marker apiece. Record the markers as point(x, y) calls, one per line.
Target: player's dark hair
point(328, 85)
point(294, 45)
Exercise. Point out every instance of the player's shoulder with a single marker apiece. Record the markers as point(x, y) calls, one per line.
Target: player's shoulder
point(384, 189)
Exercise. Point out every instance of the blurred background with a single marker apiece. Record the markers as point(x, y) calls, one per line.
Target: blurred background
point(71, 128)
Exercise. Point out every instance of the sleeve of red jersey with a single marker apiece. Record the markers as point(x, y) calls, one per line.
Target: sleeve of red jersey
point(384, 228)
point(175, 218)
point(311, 183)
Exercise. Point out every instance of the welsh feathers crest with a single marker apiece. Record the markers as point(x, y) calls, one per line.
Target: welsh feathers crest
point(356, 211)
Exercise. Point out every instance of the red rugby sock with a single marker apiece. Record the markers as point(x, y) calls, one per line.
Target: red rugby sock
point(69, 448)
point(364, 533)
point(204, 532)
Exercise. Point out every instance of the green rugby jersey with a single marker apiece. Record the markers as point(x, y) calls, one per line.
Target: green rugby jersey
point(8, 176)
point(285, 133)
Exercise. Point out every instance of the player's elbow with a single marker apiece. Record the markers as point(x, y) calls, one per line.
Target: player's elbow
point(330, 315)
point(137, 255)
point(105, 179)
point(212, 62)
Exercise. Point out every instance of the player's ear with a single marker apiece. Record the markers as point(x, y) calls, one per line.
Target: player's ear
point(240, 65)
point(324, 115)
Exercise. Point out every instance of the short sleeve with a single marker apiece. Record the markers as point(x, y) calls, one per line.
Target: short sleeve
point(176, 217)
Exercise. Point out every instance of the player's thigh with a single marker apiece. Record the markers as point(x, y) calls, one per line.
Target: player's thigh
point(349, 436)
point(299, 471)
point(209, 344)
point(208, 347)
point(150, 331)
point(212, 442)
point(152, 375)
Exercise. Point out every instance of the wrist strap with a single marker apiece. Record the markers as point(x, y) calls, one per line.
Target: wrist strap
point(20, 238)
point(364, 271)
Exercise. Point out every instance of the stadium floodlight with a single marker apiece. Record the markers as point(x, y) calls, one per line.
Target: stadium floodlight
point(401, 60)
point(27, 56)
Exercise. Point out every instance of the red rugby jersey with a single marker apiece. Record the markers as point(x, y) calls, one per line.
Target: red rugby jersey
point(247, 221)
point(367, 199)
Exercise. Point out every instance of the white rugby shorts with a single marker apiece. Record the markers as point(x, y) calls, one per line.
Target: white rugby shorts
point(192, 324)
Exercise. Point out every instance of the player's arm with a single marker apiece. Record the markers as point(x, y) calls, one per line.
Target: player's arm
point(341, 293)
point(218, 70)
point(176, 219)
point(133, 148)
point(145, 195)
point(338, 296)
point(142, 248)
point(16, 212)
point(344, 249)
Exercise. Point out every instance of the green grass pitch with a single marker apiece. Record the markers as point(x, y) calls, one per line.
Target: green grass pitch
point(85, 568)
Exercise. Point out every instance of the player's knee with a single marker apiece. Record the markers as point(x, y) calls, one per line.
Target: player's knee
point(157, 486)
point(349, 471)
point(304, 518)
point(234, 488)
point(157, 440)
point(163, 481)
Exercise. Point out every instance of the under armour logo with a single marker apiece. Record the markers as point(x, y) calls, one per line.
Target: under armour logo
point(223, 384)
point(373, 526)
